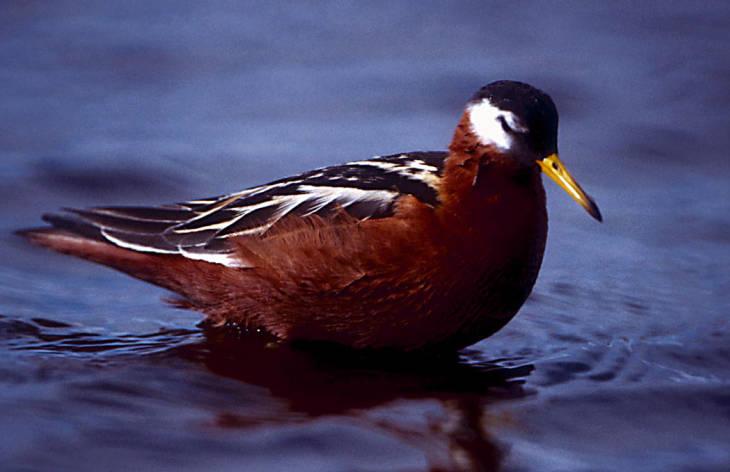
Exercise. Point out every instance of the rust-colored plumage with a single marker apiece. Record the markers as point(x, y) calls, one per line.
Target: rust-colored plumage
point(410, 276)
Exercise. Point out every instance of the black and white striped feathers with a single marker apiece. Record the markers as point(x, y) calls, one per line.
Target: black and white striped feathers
point(201, 229)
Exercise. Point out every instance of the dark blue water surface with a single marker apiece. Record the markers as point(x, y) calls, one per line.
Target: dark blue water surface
point(619, 361)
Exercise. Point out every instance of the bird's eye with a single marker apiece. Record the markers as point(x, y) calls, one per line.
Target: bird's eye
point(511, 125)
point(505, 126)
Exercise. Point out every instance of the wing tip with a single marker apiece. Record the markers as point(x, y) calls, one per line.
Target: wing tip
point(59, 240)
point(73, 225)
point(33, 235)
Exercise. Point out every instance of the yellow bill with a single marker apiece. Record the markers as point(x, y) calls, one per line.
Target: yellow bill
point(555, 169)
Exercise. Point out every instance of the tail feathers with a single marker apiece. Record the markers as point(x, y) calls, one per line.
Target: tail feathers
point(77, 239)
point(197, 282)
point(81, 242)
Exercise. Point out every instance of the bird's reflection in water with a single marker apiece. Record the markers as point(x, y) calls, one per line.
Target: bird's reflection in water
point(437, 404)
point(316, 381)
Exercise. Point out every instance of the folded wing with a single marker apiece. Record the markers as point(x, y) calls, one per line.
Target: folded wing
point(201, 229)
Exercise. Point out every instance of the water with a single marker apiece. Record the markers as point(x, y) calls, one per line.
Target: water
point(619, 360)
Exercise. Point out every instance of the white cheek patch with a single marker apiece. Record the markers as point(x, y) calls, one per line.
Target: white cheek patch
point(486, 124)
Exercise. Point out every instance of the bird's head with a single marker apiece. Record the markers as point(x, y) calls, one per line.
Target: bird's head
point(520, 122)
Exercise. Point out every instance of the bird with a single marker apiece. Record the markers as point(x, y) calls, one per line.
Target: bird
point(415, 251)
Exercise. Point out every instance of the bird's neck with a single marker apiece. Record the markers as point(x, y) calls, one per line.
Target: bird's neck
point(492, 200)
point(474, 172)
point(465, 143)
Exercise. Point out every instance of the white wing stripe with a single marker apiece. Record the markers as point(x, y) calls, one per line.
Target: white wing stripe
point(228, 260)
point(379, 164)
point(414, 169)
point(420, 165)
point(224, 224)
point(321, 196)
point(346, 196)
point(134, 247)
point(265, 188)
